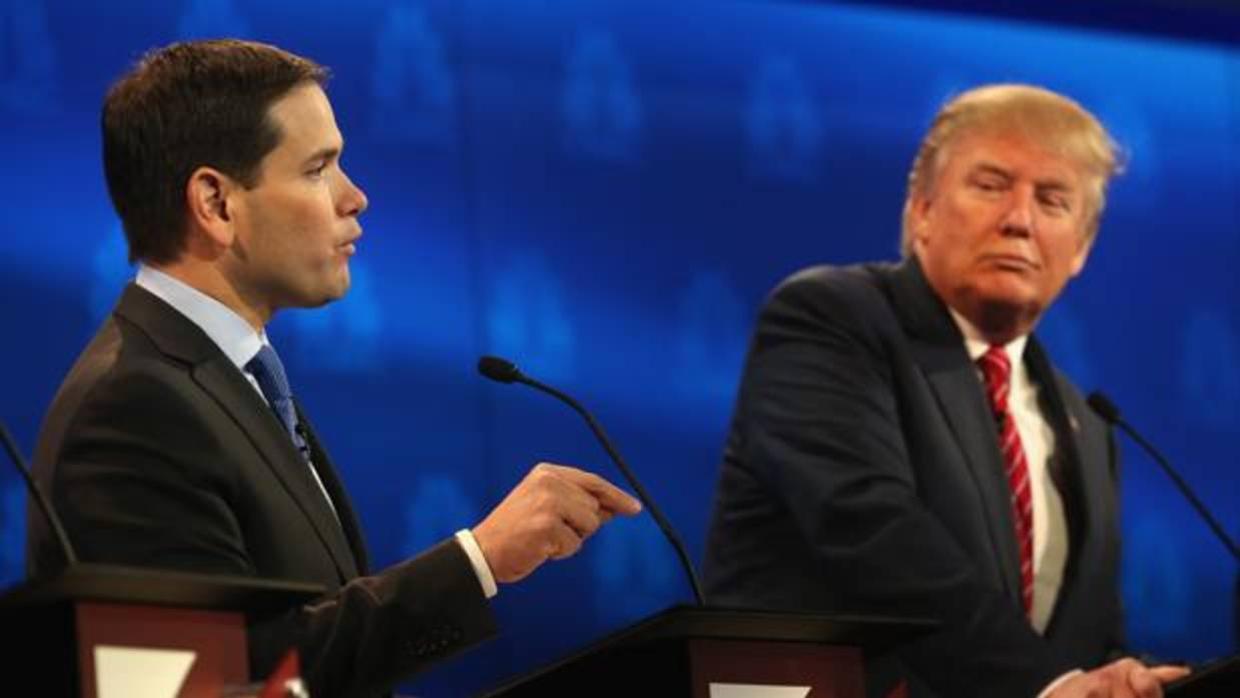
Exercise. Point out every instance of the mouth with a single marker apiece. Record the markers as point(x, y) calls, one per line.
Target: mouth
point(1009, 262)
point(349, 246)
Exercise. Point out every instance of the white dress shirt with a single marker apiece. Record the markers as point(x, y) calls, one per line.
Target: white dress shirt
point(1050, 524)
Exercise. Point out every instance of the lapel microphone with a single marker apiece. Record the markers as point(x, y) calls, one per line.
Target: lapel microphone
point(504, 371)
point(1110, 413)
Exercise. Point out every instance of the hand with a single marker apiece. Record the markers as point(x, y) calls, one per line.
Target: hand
point(1124, 678)
point(547, 516)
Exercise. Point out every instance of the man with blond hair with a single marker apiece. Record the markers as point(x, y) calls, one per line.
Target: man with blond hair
point(902, 444)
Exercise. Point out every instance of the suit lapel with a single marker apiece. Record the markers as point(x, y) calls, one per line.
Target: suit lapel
point(221, 379)
point(340, 498)
point(939, 351)
point(182, 340)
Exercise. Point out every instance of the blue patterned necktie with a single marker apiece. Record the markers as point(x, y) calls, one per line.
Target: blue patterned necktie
point(269, 372)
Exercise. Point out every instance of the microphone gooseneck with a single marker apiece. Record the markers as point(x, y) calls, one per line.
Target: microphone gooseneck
point(1109, 412)
point(504, 371)
point(33, 487)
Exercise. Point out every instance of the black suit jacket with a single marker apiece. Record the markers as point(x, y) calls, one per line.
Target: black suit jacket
point(863, 474)
point(158, 452)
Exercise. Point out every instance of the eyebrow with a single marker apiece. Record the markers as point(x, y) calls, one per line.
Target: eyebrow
point(988, 168)
point(991, 168)
point(327, 154)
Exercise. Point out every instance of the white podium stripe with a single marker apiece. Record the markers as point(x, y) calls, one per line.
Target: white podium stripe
point(757, 690)
point(140, 672)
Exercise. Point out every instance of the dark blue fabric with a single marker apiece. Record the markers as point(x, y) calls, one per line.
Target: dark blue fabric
point(268, 370)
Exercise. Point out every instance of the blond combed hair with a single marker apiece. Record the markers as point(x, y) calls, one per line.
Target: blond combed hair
point(1047, 118)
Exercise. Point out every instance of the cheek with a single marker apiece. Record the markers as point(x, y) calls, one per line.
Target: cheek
point(1061, 248)
point(306, 219)
point(959, 215)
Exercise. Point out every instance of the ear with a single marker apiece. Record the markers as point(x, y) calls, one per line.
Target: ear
point(918, 206)
point(207, 203)
point(1082, 254)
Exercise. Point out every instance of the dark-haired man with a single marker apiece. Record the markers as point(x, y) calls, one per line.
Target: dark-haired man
point(175, 442)
point(902, 444)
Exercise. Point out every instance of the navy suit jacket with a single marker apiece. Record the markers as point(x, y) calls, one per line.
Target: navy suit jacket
point(863, 474)
point(158, 452)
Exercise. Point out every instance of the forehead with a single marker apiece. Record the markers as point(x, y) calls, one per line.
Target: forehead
point(305, 121)
point(1013, 154)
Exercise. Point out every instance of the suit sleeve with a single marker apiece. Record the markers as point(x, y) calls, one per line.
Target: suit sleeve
point(821, 425)
point(140, 481)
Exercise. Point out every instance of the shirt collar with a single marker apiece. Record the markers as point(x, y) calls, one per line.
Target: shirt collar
point(976, 344)
point(230, 332)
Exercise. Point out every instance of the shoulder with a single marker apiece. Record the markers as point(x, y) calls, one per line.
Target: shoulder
point(1093, 435)
point(125, 369)
point(1078, 408)
point(826, 281)
point(853, 295)
point(120, 387)
point(1083, 416)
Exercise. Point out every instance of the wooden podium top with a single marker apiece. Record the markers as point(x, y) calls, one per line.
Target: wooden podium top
point(645, 645)
point(871, 633)
point(140, 585)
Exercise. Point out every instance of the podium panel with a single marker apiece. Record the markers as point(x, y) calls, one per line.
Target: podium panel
point(716, 653)
point(830, 671)
point(98, 626)
point(214, 641)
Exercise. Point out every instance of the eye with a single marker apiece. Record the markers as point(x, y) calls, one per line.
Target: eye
point(1057, 202)
point(317, 171)
point(989, 183)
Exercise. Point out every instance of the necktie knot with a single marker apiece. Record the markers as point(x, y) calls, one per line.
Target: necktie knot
point(996, 370)
point(268, 370)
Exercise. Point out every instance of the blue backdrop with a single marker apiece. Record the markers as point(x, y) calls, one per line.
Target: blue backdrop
point(604, 191)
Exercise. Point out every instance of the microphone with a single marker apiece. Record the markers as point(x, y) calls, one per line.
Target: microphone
point(498, 370)
point(1109, 412)
point(65, 546)
point(505, 371)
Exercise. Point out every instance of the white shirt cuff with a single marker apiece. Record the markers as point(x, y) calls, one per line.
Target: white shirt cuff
point(466, 538)
point(1055, 684)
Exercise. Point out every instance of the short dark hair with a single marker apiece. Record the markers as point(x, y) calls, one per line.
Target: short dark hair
point(184, 106)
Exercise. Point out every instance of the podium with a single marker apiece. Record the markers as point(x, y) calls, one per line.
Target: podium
point(719, 653)
point(1217, 679)
point(63, 635)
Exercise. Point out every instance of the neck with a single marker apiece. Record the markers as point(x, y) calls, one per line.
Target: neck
point(208, 279)
point(999, 325)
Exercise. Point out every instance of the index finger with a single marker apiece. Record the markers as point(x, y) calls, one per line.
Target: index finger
point(1167, 673)
point(609, 496)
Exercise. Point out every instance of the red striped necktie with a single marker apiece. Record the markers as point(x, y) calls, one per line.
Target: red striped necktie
point(997, 371)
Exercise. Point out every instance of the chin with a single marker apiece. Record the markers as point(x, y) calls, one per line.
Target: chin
point(337, 288)
point(1006, 289)
point(323, 297)
point(334, 295)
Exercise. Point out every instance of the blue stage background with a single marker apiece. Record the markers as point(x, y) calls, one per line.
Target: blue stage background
point(604, 191)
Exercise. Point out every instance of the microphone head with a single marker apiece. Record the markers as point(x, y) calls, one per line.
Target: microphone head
point(498, 369)
point(1104, 407)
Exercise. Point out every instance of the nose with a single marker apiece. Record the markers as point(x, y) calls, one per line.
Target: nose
point(1020, 216)
point(352, 199)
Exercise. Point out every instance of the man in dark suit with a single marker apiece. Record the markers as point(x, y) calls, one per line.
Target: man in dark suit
point(175, 441)
point(902, 444)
